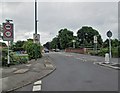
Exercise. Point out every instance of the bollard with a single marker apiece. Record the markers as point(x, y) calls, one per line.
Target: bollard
point(107, 59)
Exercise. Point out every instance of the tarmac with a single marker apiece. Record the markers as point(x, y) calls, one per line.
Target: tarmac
point(17, 76)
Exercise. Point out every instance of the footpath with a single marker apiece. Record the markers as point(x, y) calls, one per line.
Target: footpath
point(17, 76)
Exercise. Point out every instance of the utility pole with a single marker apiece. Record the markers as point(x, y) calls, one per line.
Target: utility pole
point(35, 17)
point(35, 28)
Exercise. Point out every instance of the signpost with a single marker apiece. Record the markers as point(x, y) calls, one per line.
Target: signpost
point(36, 38)
point(7, 31)
point(95, 43)
point(73, 43)
point(109, 34)
point(8, 35)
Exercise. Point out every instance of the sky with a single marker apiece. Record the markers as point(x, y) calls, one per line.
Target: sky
point(55, 15)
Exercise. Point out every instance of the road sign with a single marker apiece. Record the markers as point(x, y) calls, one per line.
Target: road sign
point(95, 39)
point(109, 33)
point(36, 38)
point(8, 26)
point(7, 31)
point(8, 34)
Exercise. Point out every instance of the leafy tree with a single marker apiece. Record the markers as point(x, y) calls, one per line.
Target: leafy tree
point(65, 38)
point(53, 43)
point(18, 46)
point(86, 36)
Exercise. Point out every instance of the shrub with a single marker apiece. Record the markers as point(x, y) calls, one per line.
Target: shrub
point(19, 58)
point(33, 49)
point(115, 52)
point(103, 51)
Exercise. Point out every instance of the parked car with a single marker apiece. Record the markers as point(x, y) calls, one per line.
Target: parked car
point(46, 50)
point(57, 50)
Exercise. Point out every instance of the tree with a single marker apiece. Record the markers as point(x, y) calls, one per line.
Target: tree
point(53, 43)
point(86, 36)
point(65, 38)
point(18, 46)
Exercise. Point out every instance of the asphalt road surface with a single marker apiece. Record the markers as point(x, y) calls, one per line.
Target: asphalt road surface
point(76, 72)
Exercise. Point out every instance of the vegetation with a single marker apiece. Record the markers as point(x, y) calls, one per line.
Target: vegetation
point(86, 37)
point(33, 50)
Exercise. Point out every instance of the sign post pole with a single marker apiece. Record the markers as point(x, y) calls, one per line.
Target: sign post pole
point(110, 47)
point(109, 34)
point(95, 43)
point(8, 56)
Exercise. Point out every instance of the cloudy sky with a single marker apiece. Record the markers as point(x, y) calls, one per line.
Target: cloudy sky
point(53, 16)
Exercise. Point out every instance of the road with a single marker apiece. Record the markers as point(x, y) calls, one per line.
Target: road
point(76, 72)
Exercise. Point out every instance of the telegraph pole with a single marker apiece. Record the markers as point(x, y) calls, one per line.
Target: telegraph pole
point(35, 28)
point(35, 17)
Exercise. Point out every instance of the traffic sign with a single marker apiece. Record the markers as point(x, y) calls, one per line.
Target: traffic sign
point(8, 26)
point(8, 31)
point(8, 34)
point(36, 38)
point(109, 33)
point(95, 39)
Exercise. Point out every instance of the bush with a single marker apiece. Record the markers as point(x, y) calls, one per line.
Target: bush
point(4, 56)
point(33, 50)
point(115, 52)
point(4, 61)
point(19, 58)
point(103, 51)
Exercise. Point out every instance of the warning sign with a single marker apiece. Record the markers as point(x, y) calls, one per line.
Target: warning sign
point(36, 38)
point(7, 31)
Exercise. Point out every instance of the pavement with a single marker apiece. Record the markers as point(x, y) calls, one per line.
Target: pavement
point(17, 76)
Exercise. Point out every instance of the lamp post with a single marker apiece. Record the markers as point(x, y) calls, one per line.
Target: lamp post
point(35, 28)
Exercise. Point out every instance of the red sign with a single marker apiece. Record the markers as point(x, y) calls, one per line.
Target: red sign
point(8, 26)
point(8, 31)
point(8, 34)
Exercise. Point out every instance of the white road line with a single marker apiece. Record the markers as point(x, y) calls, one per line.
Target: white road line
point(37, 88)
point(38, 82)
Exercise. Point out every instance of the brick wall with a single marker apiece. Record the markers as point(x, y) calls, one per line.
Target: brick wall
point(78, 50)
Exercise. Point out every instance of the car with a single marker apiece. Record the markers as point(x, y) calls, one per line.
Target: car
point(46, 50)
point(57, 50)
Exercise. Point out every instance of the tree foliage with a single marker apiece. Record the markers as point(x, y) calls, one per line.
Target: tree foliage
point(65, 38)
point(86, 36)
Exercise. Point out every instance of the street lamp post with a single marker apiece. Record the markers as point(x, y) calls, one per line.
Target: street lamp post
point(35, 28)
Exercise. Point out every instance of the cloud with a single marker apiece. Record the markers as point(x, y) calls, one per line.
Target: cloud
point(53, 16)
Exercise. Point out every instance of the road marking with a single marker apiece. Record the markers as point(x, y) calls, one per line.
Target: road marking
point(38, 82)
point(37, 86)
